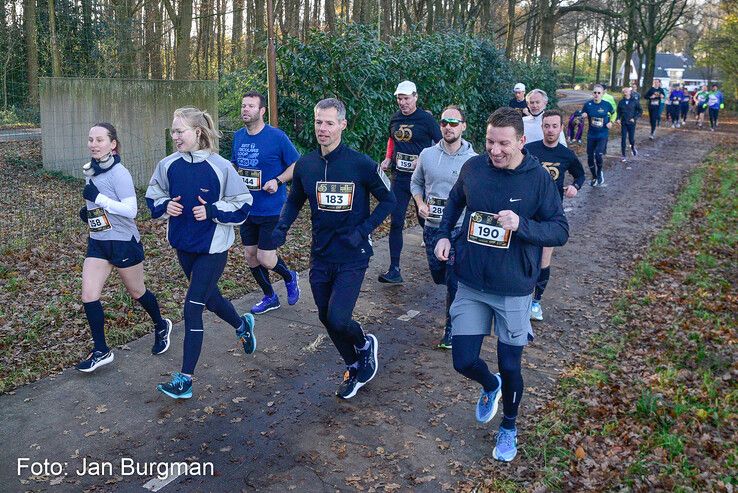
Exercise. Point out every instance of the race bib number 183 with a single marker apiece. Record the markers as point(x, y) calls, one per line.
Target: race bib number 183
point(485, 230)
point(334, 196)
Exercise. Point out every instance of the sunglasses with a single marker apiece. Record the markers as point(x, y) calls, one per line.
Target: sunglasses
point(597, 92)
point(452, 122)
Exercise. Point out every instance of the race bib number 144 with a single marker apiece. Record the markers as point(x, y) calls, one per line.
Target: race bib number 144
point(485, 230)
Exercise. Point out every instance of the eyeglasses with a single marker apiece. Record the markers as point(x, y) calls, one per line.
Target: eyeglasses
point(597, 92)
point(451, 122)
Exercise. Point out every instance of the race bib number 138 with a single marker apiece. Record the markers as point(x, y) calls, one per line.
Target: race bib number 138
point(485, 230)
point(334, 196)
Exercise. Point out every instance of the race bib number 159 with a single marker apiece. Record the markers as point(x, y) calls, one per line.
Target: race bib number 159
point(334, 196)
point(485, 230)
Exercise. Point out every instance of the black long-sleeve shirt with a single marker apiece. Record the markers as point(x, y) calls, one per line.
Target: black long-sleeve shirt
point(629, 109)
point(338, 187)
point(558, 161)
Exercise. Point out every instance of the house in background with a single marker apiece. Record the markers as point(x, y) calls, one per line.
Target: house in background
point(671, 69)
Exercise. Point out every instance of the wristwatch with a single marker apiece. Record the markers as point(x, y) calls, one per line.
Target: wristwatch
point(279, 182)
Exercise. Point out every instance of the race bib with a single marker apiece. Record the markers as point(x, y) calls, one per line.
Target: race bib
point(485, 230)
point(97, 220)
point(675, 102)
point(436, 207)
point(251, 177)
point(655, 102)
point(334, 196)
point(598, 122)
point(405, 162)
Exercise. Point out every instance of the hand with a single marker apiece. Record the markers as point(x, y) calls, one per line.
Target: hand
point(83, 214)
point(202, 212)
point(174, 208)
point(423, 210)
point(609, 125)
point(443, 248)
point(632, 120)
point(90, 192)
point(508, 220)
point(271, 186)
point(570, 192)
point(385, 164)
point(526, 112)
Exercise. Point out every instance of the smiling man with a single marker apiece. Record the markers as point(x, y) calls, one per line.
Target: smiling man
point(338, 183)
point(513, 210)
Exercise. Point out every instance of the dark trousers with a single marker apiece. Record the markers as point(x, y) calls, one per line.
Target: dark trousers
point(335, 289)
point(595, 149)
point(674, 113)
point(401, 189)
point(627, 130)
point(653, 116)
point(442, 272)
point(713, 116)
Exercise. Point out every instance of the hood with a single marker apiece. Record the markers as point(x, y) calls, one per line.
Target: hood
point(464, 150)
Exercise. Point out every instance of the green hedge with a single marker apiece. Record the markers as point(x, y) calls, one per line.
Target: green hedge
point(352, 65)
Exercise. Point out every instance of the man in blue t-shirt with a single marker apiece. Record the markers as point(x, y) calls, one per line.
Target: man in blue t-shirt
point(265, 159)
point(598, 113)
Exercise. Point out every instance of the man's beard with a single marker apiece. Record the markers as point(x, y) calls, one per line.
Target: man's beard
point(453, 140)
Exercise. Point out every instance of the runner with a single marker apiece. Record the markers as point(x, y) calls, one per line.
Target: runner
point(265, 159)
point(412, 129)
point(655, 96)
point(700, 100)
point(519, 102)
point(629, 111)
point(634, 92)
point(114, 241)
point(575, 127)
point(715, 103)
point(614, 117)
point(436, 173)
point(558, 160)
point(512, 211)
point(684, 105)
point(201, 197)
point(675, 100)
point(537, 102)
point(338, 182)
point(598, 113)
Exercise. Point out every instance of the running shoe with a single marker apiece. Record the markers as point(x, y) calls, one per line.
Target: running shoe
point(650, 137)
point(446, 341)
point(593, 182)
point(267, 304)
point(350, 384)
point(368, 363)
point(507, 445)
point(246, 333)
point(392, 276)
point(536, 312)
point(579, 142)
point(487, 403)
point(95, 360)
point(161, 338)
point(634, 151)
point(180, 387)
point(293, 289)
point(601, 179)
point(623, 159)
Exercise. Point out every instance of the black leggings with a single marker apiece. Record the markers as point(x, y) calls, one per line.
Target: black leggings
point(713, 116)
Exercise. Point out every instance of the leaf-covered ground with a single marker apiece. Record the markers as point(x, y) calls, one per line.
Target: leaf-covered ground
point(42, 324)
point(653, 405)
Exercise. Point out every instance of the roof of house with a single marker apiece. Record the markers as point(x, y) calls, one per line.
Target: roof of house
point(665, 61)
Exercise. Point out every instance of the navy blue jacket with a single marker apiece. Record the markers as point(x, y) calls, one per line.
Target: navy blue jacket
point(529, 191)
point(339, 236)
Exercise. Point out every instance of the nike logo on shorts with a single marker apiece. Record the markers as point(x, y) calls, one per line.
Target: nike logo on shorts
point(515, 200)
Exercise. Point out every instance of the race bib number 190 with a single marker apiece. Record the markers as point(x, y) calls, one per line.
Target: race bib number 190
point(485, 230)
point(97, 220)
point(334, 196)
point(251, 177)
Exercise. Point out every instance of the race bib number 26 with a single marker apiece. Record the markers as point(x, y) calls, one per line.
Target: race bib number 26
point(334, 196)
point(485, 230)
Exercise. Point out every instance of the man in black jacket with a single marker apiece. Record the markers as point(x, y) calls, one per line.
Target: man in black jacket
point(513, 210)
point(338, 182)
point(629, 111)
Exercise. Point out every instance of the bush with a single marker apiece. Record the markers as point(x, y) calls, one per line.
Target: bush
point(362, 71)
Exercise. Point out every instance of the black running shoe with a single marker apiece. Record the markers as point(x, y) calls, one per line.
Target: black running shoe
point(368, 363)
point(161, 338)
point(95, 360)
point(392, 276)
point(350, 384)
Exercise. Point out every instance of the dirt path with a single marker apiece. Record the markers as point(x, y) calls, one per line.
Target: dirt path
point(270, 422)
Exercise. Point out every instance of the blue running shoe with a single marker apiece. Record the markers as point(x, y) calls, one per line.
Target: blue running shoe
point(293, 288)
point(95, 360)
point(507, 445)
point(487, 404)
point(246, 334)
point(161, 338)
point(536, 312)
point(267, 304)
point(179, 388)
point(368, 363)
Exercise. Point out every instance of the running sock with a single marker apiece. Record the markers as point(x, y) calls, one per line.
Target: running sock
point(96, 319)
point(148, 301)
point(281, 269)
point(541, 283)
point(193, 336)
point(261, 274)
point(509, 360)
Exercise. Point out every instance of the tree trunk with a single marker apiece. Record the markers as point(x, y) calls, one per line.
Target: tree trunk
point(237, 34)
point(183, 26)
point(576, 48)
point(259, 24)
point(510, 37)
point(548, 27)
point(30, 27)
point(152, 37)
point(649, 53)
point(56, 69)
point(330, 15)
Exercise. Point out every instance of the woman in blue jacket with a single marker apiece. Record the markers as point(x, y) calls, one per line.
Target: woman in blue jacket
point(202, 197)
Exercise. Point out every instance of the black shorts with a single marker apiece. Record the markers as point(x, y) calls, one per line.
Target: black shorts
point(701, 109)
point(121, 254)
point(257, 230)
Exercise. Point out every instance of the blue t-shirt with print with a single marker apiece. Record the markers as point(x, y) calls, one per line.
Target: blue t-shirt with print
point(260, 158)
point(599, 117)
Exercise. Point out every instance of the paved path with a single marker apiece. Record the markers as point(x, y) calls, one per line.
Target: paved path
point(270, 422)
point(20, 134)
